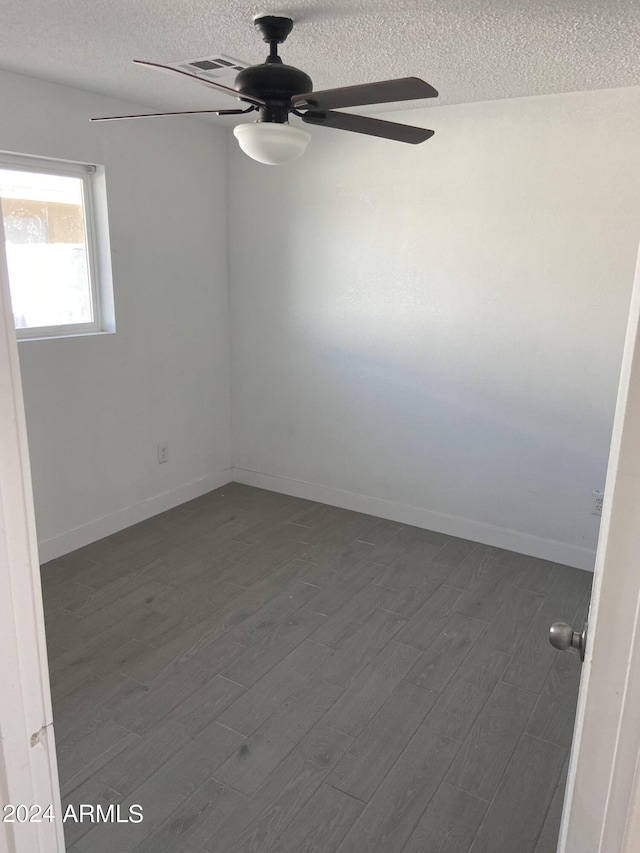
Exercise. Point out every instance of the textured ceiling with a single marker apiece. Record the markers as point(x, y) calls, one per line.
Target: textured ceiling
point(470, 50)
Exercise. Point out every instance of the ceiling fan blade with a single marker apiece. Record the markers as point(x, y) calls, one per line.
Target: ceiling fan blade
point(182, 113)
point(370, 126)
point(402, 89)
point(209, 83)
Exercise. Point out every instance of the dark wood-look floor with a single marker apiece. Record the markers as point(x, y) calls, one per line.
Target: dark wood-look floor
point(270, 675)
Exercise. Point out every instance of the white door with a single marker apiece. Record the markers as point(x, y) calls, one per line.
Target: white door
point(602, 805)
point(28, 770)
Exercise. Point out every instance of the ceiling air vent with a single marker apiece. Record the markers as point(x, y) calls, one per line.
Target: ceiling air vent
point(219, 68)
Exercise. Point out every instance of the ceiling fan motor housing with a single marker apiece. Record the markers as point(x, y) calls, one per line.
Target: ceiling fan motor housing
point(275, 83)
point(272, 81)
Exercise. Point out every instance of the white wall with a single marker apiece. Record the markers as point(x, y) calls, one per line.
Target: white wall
point(98, 406)
point(434, 333)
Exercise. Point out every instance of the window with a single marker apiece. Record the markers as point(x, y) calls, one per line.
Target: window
point(56, 240)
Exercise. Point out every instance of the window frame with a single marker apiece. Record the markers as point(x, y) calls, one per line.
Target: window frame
point(96, 241)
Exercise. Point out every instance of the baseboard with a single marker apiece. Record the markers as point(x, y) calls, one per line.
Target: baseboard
point(487, 534)
point(49, 549)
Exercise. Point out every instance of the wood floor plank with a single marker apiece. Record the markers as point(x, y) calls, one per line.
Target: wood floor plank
point(82, 759)
point(190, 564)
point(484, 595)
point(488, 747)
point(512, 620)
point(455, 551)
point(421, 630)
point(197, 649)
point(209, 595)
point(221, 544)
point(381, 532)
point(391, 815)
point(260, 754)
point(343, 585)
point(408, 600)
point(87, 708)
point(69, 593)
point(264, 559)
point(204, 525)
point(238, 609)
point(113, 611)
point(344, 527)
point(259, 658)
point(369, 759)
point(405, 539)
point(134, 588)
point(567, 588)
point(440, 661)
point(166, 789)
point(370, 690)
point(134, 624)
point(344, 623)
point(548, 838)
point(184, 609)
point(582, 611)
point(339, 555)
point(411, 568)
point(355, 654)
point(258, 824)
point(256, 704)
point(534, 572)
point(201, 708)
point(100, 574)
point(466, 694)
point(533, 656)
point(474, 566)
point(62, 627)
point(195, 821)
point(128, 770)
point(239, 573)
point(328, 528)
point(449, 824)
point(146, 662)
point(321, 824)
point(73, 669)
point(163, 695)
point(266, 532)
point(310, 514)
point(276, 610)
point(518, 811)
point(554, 713)
point(54, 653)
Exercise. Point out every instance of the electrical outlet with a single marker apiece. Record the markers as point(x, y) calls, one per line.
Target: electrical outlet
point(163, 452)
point(596, 503)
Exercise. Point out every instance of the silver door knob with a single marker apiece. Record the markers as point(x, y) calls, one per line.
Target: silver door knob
point(563, 637)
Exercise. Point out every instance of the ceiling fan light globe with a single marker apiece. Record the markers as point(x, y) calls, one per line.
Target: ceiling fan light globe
point(270, 142)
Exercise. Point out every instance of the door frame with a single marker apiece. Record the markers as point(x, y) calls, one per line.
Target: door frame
point(28, 766)
point(602, 803)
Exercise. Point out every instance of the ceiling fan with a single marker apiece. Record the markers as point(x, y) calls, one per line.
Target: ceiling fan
point(273, 90)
